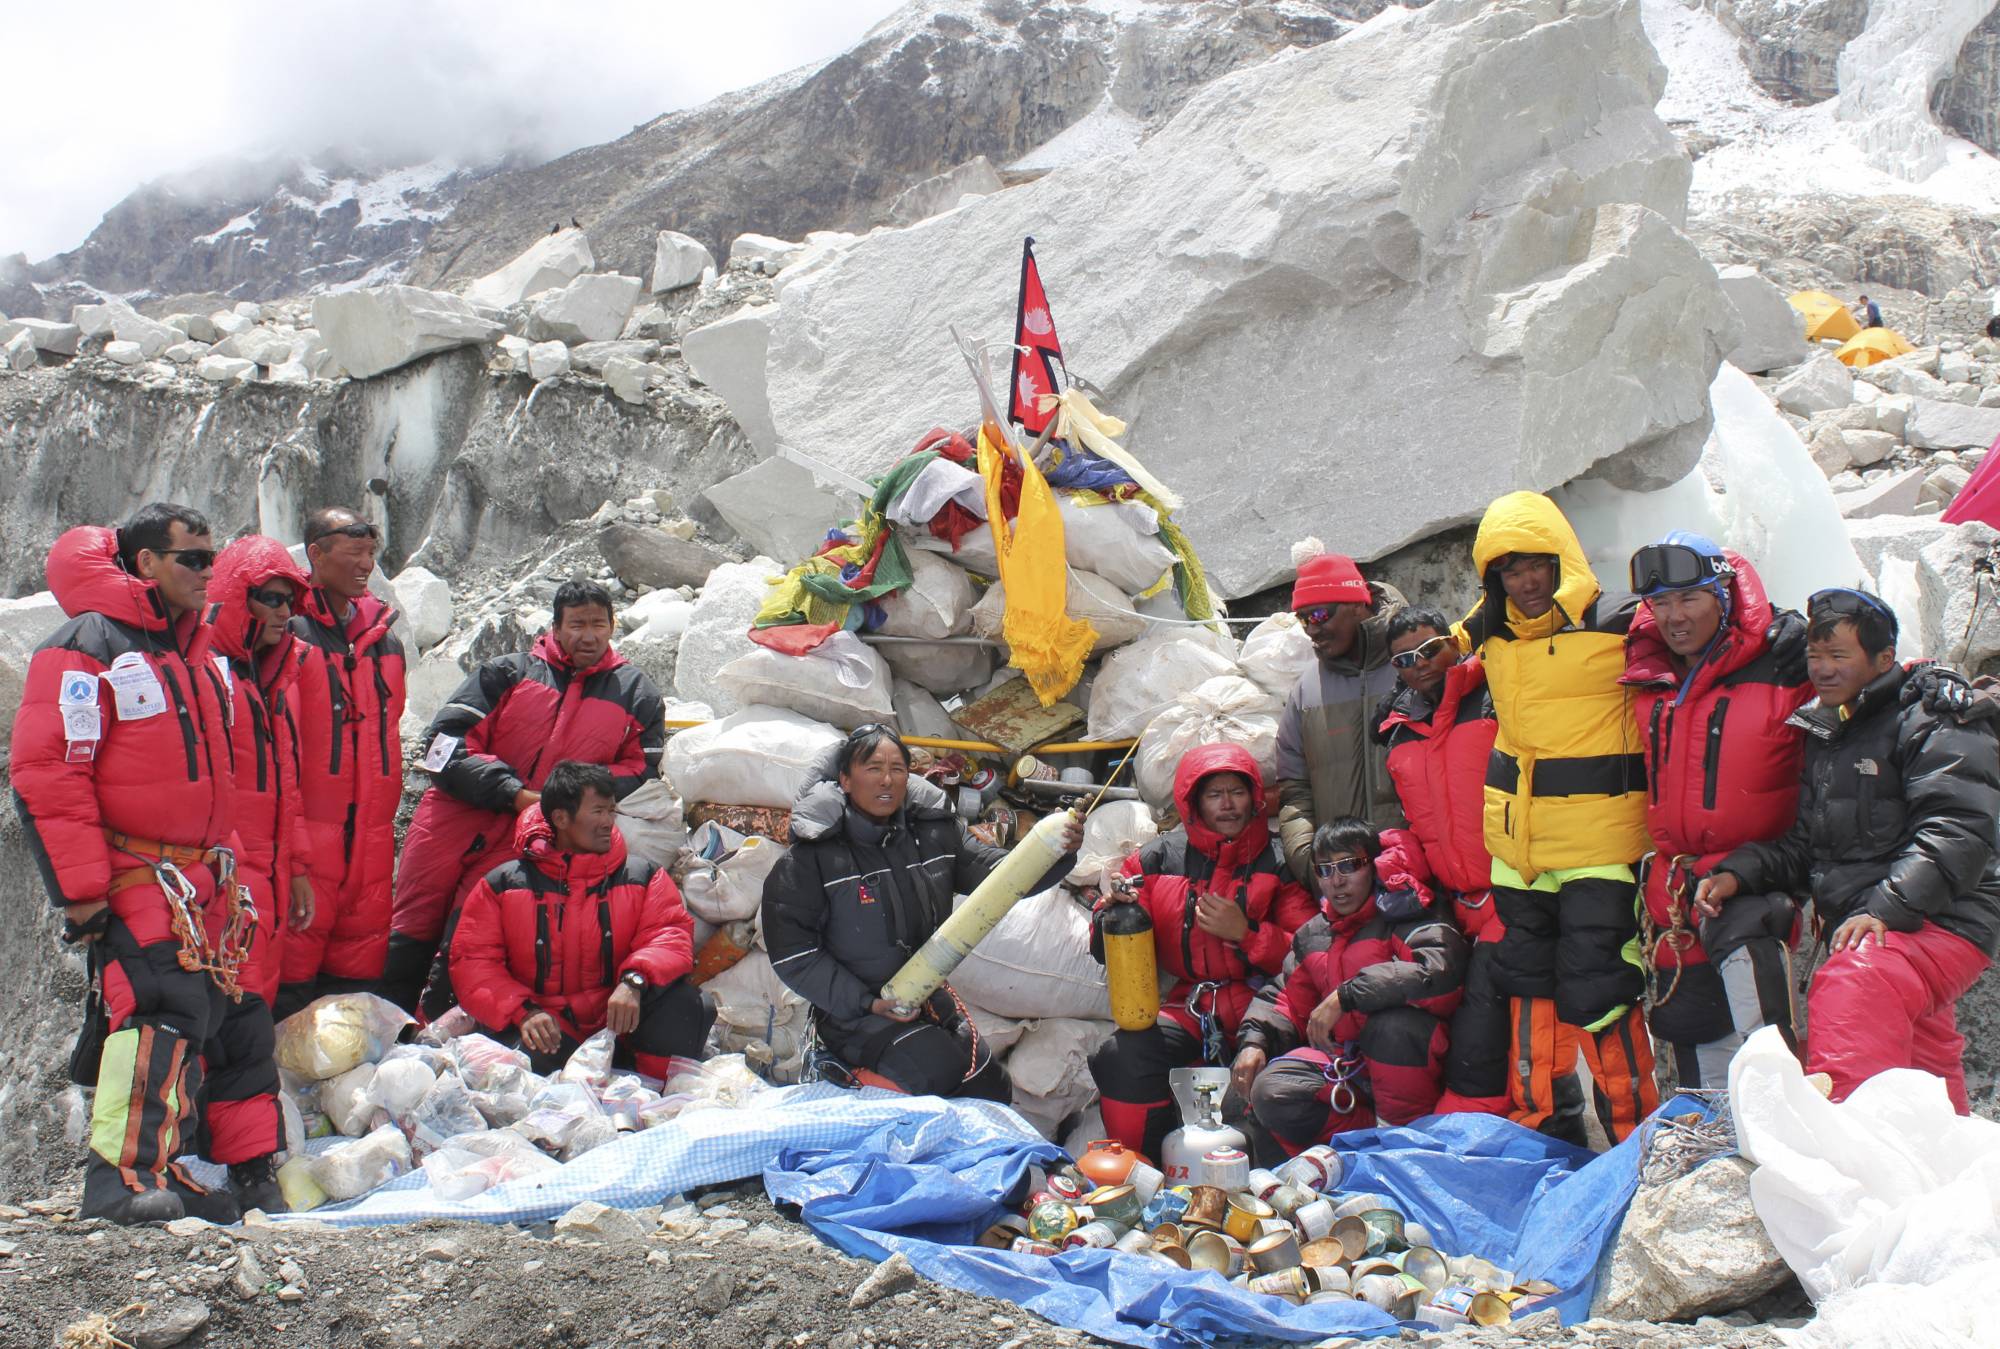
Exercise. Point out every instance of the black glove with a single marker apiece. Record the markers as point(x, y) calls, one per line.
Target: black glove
point(96, 925)
point(1787, 639)
point(1946, 693)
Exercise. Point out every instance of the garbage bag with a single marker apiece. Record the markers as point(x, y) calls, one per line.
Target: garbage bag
point(761, 756)
point(1092, 600)
point(398, 1086)
point(485, 1063)
point(1276, 655)
point(1050, 1070)
point(918, 712)
point(1226, 710)
point(726, 872)
point(941, 669)
point(650, 819)
point(934, 604)
point(1118, 540)
point(1112, 833)
point(348, 1101)
point(725, 1080)
point(333, 1034)
point(1036, 963)
point(445, 1112)
point(590, 1062)
point(295, 1182)
point(349, 1170)
point(455, 1173)
point(841, 681)
point(1138, 682)
point(753, 1010)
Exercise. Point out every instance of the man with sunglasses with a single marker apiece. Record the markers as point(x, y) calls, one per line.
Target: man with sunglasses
point(1329, 765)
point(120, 774)
point(349, 704)
point(1894, 842)
point(1712, 699)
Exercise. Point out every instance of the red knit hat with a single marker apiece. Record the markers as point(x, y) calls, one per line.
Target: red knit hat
point(1325, 578)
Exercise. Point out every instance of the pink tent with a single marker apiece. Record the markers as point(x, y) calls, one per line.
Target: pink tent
point(1979, 499)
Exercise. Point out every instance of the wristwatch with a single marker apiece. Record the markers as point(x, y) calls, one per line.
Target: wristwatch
point(634, 981)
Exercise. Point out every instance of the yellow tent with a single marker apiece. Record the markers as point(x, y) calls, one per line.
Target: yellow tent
point(1825, 316)
point(1871, 345)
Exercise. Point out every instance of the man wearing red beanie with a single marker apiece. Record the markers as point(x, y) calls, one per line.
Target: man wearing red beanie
point(1329, 766)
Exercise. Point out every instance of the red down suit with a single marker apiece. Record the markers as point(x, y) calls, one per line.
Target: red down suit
point(349, 705)
point(506, 727)
point(118, 764)
point(1722, 770)
point(1438, 753)
point(263, 746)
point(1397, 963)
point(1216, 975)
point(554, 932)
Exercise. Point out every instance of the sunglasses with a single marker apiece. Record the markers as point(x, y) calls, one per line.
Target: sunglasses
point(1404, 660)
point(1852, 603)
point(272, 599)
point(1346, 866)
point(1319, 615)
point(194, 559)
point(360, 529)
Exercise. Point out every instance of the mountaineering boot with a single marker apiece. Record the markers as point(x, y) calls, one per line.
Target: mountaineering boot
point(216, 1206)
point(145, 1206)
point(255, 1185)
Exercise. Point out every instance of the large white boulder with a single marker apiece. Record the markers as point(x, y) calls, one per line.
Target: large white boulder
point(120, 352)
point(1959, 596)
point(589, 309)
point(729, 356)
point(779, 509)
point(198, 327)
point(1937, 425)
point(381, 327)
point(424, 599)
point(1822, 384)
point(261, 345)
point(47, 335)
point(224, 369)
point(678, 261)
point(1891, 494)
point(629, 378)
point(1410, 270)
point(760, 252)
point(546, 360)
point(551, 261)
point(116, 319)
point(18, 352)
point(1773, 332)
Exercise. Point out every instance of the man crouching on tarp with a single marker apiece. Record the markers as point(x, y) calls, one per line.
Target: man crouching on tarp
point(1894, 842)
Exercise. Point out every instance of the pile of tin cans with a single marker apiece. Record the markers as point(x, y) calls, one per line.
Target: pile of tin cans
point(1290, 1233)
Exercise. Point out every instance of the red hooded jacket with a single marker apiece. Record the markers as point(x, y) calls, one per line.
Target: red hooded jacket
point(263, 743)
point(505, 729)
point(554, 932)
point(1722, 767)
point(349, 705)
point(1399, 949)
point(97, 748)
point(1437, 759)
point(1193, 860)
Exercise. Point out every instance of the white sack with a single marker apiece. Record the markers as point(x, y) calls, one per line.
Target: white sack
point(919, 713)
point(1118, 540)
point(1138, 682)
point(997, 1034)
point(651, 821)
point(1114, 831)
point(761, 756)
point(1225, 710)
point(1883, 1205)
point(725, 882)
point(1092, 599)
point(975, 551)
point(1276, 655)
point(941, 669)
point(1050, 1069)
point(753, 1007)
point(934, 604)
point(841, 680)
point(717, 630)
point(1037, 963)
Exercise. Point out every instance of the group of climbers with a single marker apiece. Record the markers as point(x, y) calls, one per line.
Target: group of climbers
point(212, 907)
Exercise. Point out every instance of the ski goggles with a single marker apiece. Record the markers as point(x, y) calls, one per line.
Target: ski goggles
point(1345, 866)
point(357, 529)
point(1674, 566)
point(1848, 603)
point(1404, 660)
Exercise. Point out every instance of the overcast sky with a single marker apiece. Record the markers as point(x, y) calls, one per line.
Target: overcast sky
point(105, 96)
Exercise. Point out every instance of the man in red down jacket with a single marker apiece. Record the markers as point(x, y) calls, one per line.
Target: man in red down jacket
point(574, 936)
point(491, 747)
point(1439, 727)
point(1722, 770)
point(120, 774)
point(1224, 909)
point(349, 705)
point(1359, 1027)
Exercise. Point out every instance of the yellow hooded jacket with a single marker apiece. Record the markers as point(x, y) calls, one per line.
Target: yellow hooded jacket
point(1566, 785)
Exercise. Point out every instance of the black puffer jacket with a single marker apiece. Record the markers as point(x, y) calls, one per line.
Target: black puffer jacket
point(853, 899)
point(1896, 819)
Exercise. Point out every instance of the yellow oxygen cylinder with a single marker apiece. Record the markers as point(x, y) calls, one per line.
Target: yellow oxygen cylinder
point(980, 914)
point(1130, 964)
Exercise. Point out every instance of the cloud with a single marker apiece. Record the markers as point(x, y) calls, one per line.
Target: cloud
point(118, 94)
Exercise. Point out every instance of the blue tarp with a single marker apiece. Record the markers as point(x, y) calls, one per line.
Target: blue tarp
point(876, 1173)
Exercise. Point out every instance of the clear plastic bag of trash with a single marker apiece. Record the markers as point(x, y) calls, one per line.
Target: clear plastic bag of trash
point(593, 1132)
point(306, 1096)
point(485, 1063)
point(625, 1100)
point(557, 1113)
point(399, 1084)
point(451, 1026)
point(349, 1170)
point(445, 1112)
point(437, 1057)
point(349, 1102)
point(458, 1173)
point(509, 1102)
point(330, 1035)
point(725, 1080)
point(590, 1065)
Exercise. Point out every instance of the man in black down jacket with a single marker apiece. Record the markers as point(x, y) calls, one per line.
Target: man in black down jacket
point(1895, 844)
point(876, 858)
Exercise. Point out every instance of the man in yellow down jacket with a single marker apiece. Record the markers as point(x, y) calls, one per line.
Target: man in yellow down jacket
point(1565, 820)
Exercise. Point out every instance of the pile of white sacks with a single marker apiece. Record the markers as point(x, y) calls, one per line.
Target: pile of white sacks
point(1036, 995)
